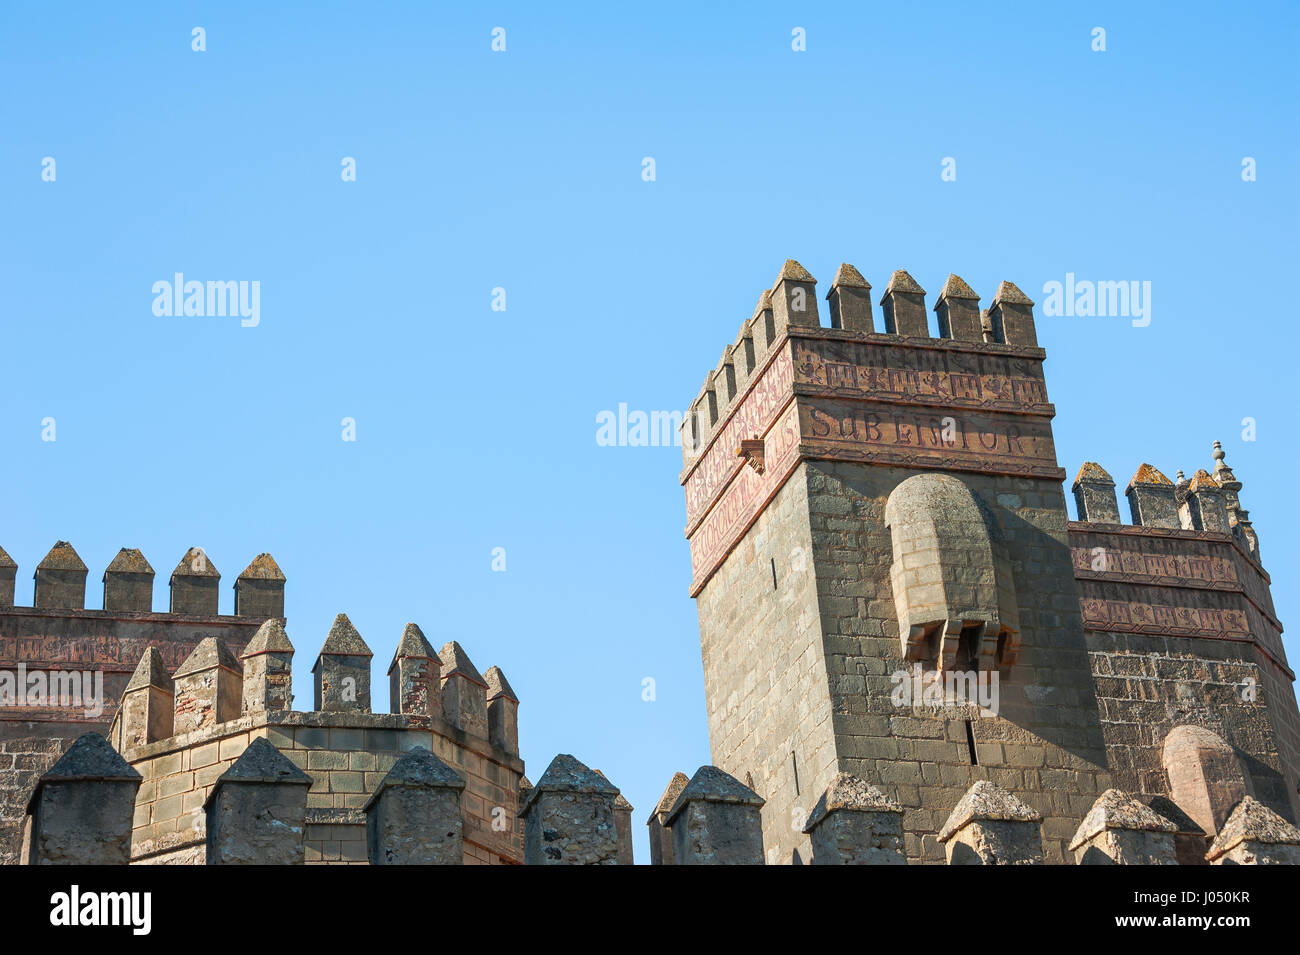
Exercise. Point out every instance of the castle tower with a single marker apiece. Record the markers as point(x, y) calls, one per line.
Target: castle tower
point(876, 517)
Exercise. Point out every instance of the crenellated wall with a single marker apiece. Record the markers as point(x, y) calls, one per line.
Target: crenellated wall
point(344, 747)
point(1181, 628)
point(60, 637)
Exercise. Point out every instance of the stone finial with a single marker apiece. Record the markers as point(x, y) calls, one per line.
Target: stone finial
point(8, 571)
point(82, 808)
point(259, 589)
point(622, 826)
point(1094, 495)
point(1238, 516)
point(257, 809)
point(1205, 778)
point(60, 580)
point(854, 823)
point(128, 582)
point(194, 584)
point(1182, 487)
point(414, 684)
point(502, 711)
point(661, 837)
point(958, 311)
point(1012, 316)
point(1205, 504)
point(1255, 835)
point(990, 826)
point(794, 298)
point(208, 687)
point(414, 815)
point(1151, 499)
point(716, 821)
point(569, 817)
point(464, 691)
point(1119, 830)
point(904, 306)
point(850, 301)
point(341, 673)
point(147, 711)
point(268, 669)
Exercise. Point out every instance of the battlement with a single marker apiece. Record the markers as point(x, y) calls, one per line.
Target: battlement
point(183, 730)
point(791, 390)
point(256, 814)
point(789, 309)
point(1208, 503)
point(60, 584)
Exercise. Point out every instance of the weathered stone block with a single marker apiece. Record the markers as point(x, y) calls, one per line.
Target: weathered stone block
point(259, 590)
point(850, 301)
point(1255, 835)
point(1119, 830)
point(414, 676)
point(569, 817)
point(716, 821)
point(1094, 495)
point(990, 826)
point(128, 582)
point(414, 815)
point(342, 671)
point(8, 572)
point(502, 712)
point(256, 810)
point(195, 584)
point(60, 580)
point(853, 823)
point(148, 703)
point(464, 691)
point(904, 306)
point(208, 688)
point(268, 670)
point(661, 837)
point(82, 809)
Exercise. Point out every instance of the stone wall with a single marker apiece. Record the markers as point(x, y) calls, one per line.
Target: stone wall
point(346, 755)
point(1181, 631)
point(22, 761)
point(765, 676)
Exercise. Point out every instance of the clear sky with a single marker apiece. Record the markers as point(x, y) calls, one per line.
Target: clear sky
point(522, 170)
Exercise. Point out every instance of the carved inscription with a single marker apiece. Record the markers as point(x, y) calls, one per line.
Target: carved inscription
point(1135, 617)
point(864, 431)
point(744, 497)
point(935, 377)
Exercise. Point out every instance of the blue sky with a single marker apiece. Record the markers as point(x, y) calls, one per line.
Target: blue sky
point(522, 170)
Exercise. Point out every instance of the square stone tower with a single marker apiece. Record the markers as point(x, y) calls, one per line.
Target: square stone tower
point(881, 561)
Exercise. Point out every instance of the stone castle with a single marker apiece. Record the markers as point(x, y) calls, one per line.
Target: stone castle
point(911, 654)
